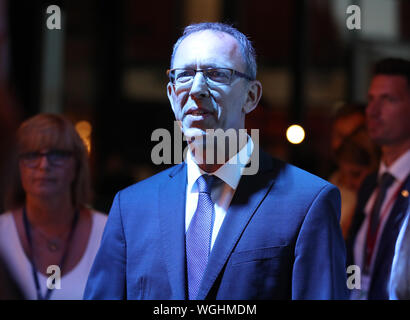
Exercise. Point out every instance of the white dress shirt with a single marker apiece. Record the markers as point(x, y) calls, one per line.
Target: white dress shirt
point(400, 169)
point(222, 193)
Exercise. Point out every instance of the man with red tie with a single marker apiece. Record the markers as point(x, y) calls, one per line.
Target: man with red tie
point(383, 197)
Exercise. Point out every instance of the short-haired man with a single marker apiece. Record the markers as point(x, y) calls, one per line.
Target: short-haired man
point(383, 197)
point(204, 229)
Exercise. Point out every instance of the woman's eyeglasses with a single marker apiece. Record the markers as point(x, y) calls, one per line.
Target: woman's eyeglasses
point(56, 158)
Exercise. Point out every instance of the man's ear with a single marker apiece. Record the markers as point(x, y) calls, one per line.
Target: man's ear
point(253, 96)
point(171, 95)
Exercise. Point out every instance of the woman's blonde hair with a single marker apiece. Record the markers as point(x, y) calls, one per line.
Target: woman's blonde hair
point(50, 131)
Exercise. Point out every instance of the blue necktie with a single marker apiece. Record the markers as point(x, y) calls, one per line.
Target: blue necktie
point(198, 237)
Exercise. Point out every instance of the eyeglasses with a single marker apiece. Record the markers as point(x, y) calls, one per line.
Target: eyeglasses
point(56, 158)
point(216, 76)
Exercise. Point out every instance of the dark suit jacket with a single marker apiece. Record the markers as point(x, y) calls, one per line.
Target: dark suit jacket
point(382, 266)
point(280, 239)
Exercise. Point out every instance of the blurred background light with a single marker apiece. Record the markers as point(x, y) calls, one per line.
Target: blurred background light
point(295, 134)
point(84, 130)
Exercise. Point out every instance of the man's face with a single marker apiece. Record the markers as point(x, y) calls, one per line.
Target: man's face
point(388, 110)
point(201, 106)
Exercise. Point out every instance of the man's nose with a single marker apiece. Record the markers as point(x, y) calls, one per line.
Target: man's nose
point(199, 88)
point(373, 108)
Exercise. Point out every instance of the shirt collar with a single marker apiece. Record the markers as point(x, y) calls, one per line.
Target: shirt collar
point(230, 172)
point(400, 169)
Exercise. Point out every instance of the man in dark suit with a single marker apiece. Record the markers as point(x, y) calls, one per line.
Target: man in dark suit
point(383, 197)
point(206, 229)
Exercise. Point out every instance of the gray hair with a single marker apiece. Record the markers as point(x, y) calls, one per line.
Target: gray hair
point(246, 47)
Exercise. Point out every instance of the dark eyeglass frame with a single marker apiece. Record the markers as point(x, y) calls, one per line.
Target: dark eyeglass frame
point(172, 79)
point(55, 157)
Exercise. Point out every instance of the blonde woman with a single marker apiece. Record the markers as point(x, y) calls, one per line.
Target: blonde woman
point(48, 222)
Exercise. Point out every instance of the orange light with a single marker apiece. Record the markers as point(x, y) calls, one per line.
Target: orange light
point(84, 130)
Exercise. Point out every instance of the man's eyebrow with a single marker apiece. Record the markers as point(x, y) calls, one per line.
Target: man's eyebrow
point(211, 65)
point(383, 95)
point(203, 66)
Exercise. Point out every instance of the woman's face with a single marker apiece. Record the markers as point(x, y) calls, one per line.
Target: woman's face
point(47, 172)
point(352, 174)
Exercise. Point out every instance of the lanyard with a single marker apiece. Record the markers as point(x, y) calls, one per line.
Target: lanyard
point(371, 241)
point(27, 228)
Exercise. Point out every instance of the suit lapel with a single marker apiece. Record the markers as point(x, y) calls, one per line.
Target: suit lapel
point(172, 225)
point(392, 227)
point(250, 193)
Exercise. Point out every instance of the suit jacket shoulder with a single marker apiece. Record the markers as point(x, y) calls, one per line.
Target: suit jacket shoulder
point(151, 183)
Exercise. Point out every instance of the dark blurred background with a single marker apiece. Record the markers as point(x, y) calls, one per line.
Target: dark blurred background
point(105, 69)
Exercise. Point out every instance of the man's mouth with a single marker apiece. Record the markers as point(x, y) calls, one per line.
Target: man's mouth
point(373, 123)
point(198, 112)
